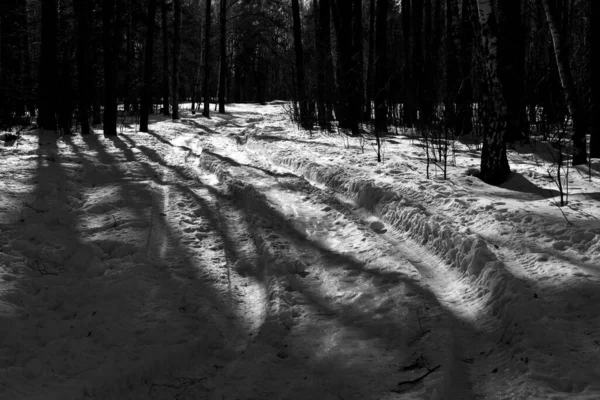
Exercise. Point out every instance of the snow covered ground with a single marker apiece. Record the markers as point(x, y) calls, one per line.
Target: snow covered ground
point(184, 264)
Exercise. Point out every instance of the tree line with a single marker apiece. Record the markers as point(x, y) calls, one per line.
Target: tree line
point(500, 71)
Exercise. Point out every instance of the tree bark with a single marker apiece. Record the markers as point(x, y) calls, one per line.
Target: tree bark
point(464, 96)
point(348, 109)
point(595, 78)
point(381, 72)
point(83, 20)
point(358, 45)
point(300, 84)
point(129, 56)
point(165, 64)
point(48, 66)
point(176, 56)
point(325, 34)
point(494, 162)
point(409, 110)
point(511, 68)
point(110, 31)
point(146, 101)
point(451, 66)
point(579, 116)
point(321, 108)
point(370, 63)
point(223, 57)
point(206, 111)
point(416, 82)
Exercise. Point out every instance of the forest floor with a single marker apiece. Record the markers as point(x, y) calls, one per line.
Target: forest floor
point(183, 264)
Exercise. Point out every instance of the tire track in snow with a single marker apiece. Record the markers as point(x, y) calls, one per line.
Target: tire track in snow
point(506, 305)
point(311, 236)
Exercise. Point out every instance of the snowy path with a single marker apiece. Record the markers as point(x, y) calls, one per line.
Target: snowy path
point(180, 264)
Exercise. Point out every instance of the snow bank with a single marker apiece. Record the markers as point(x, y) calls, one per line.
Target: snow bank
point(463, 251)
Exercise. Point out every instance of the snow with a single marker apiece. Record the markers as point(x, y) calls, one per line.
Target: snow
point(187, 263)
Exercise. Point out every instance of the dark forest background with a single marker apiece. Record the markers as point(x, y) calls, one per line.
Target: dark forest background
point(494, 71)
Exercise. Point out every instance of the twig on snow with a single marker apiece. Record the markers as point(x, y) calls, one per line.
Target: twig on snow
point(411, 381)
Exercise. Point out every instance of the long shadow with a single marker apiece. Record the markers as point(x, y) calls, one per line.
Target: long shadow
point(588, 293)
point(205, 290)
point(200, 126)
point(271, 138)
point(517, 182)
point(354, 266)
point(577, 293)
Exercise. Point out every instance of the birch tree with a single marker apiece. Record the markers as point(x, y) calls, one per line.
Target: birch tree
point(578, 115)
point(494, 162)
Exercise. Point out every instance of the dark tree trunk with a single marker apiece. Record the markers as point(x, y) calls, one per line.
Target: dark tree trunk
point(165, 64)
point(206, 111)
point(409, 112)
point(511, 67)
point(83, 20)
point(581, 123)
point(416, 86)
point(27, 69)
point(595, 63)
point(110, 39)
point(223, 58)
point(198, 76)
point(321, 108)
point(146, 100)
point(300, 84)
point(451, 66)
point(464, 96)
point(358, 45)
point(427, 78)
point(381, 71)
point(325, 33)
point(48, 66)
point(349, 110)
point(129, 56)
point(176, 56)
point(370, 61)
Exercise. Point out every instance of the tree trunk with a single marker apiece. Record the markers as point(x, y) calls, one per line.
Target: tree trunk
point(579, 116)
point(347, 77)
point(129, 56)
point(381, 71)
point(48, 66)
point(464, 96)
point(494, 162)
point(176, 56)
point(165, 64)
point(511, 68)
point(416, 81)
point(27, 69)
point(110, 30)
point(223, 58)
point(370, 62)
point(407, 29)
point(206, 111)
point(452, 68)
point(357, 29)
point(595, 63)
point(146, 101)
point(300, 88)
point(83, 20)
point(325, 34)
point(321, 109)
